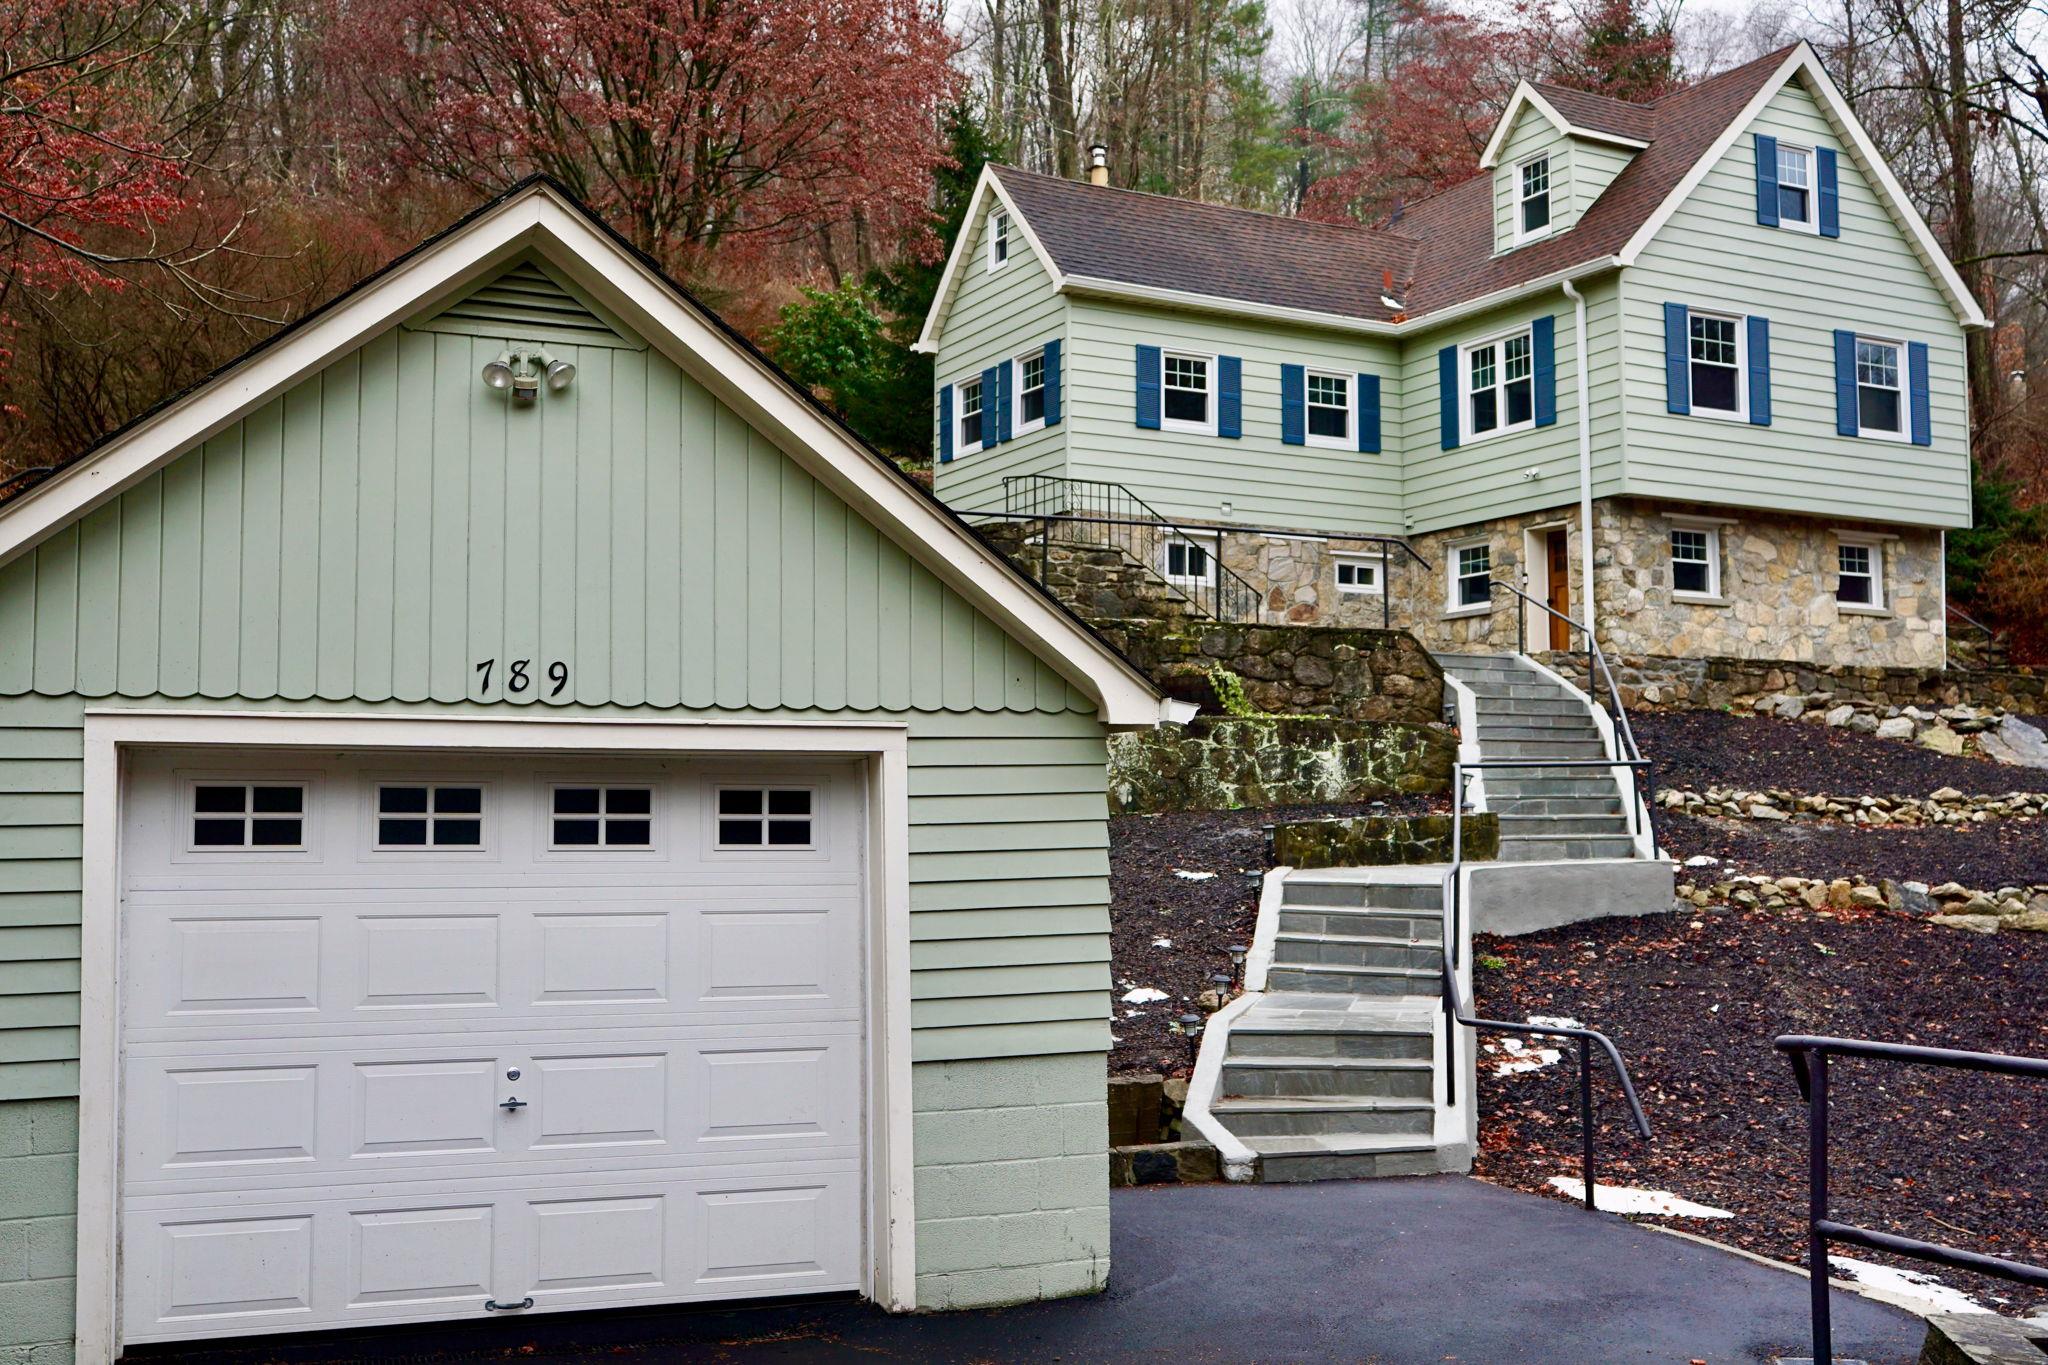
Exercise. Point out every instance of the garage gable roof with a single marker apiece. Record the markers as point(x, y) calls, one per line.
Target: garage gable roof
point(538, 218)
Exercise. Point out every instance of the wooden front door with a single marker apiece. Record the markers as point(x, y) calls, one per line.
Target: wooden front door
point(1558, 587)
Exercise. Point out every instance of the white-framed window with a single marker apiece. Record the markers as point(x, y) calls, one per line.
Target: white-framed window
point(1880, 388)
point(998, 240)
point(587, 815)
point(1471, 570)
point(1716, 347)
point(261, 815)
point(1187, 560)
point(1695, 561)
point(1329, 398)
point(1532, 198)
point(1187, 392)
point(1357, 575)
point(970, 416)
point(1500, 385)
point(1795, 189)
point(766, 818)
point(1859, 579)
point(1030, 389)
point(417, 815)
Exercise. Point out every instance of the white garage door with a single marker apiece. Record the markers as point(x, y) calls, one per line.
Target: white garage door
point(408, 1037)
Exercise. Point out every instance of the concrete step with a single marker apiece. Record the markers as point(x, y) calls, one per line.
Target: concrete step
point(1500, 708)
point(1295, 948)
point(1334, 1078)
point(1269, 1116)
point(1569, 730)
point(1505, 806)
point(1542, 848)
point(1348, 1156)
point(1520, 784)
point(1390, 1042)
point(1522, 826)
point(1396, 925)
point(1491, 722)
point(1305, 892)
point(1333, 978)
point(1485, 691)
point(1572, 747)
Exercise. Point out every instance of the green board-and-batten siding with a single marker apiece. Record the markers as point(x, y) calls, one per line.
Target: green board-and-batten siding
point(364, 540)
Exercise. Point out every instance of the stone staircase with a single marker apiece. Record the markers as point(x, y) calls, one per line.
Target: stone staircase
point(1546, 814)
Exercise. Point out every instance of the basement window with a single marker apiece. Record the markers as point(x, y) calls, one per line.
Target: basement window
point(1471, 566)
point(1695, 561)
point(1859, 581)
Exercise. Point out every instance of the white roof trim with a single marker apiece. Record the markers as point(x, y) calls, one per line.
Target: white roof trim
point(1525, 94)
point(542, 220)
point(1804, 60)
point(942, 301)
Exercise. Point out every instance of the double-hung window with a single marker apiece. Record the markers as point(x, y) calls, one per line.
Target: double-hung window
point(1030, 376)
point(1714, 347)
point(1188, 392)
point(1795, 188)
point(1471, 566)
point(1695, 561)
point(1500, 385)
point(1880, 395)
point(1859, 579)
point(971, 416)
point(998, 240)
point(1532, 198)
point(1329, 409)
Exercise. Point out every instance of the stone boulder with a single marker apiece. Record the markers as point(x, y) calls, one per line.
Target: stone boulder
point(2016, 742)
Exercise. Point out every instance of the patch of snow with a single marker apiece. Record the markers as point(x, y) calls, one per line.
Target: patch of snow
point(1144, 995)
point(1525, 1058)
point(1925, 1293)
point(1188, 876)
point(1702, 860)
point(1626, 1199)
point(1162, 943)
point(1553, 1021)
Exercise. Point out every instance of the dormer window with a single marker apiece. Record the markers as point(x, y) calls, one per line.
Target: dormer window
point(998, 240)
point(1795, 187)
point(1532, 207)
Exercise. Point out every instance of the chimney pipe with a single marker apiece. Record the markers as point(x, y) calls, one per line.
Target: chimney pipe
point(1098, 165)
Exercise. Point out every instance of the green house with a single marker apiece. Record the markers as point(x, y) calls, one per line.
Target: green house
point(1710, 328)
point(505, 806)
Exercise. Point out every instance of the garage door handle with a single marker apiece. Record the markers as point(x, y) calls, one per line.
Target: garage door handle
point(493, 1306)
point(514, 1103)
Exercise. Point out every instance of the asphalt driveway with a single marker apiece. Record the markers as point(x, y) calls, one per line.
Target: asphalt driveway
point(1423, 1270)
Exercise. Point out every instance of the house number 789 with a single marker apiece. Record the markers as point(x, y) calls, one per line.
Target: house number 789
point(519, 677)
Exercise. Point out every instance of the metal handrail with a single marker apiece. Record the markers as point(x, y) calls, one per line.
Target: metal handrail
point(1458, 1011)
point(1809, 1055)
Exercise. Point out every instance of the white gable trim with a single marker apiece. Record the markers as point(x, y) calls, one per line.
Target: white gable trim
point(1803, 60)
point(949, 280)
point(1525, 96)
point(541, 219)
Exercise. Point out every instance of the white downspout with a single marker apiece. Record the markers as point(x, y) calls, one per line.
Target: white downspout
point(1585, 454)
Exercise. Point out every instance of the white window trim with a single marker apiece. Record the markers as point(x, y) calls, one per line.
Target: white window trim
point(1022, 428)
point(961, 445)
point(1009, 226)
point(1207, 541)
point(1879, 603)
point(1466, 435)
point(1740, 412)
point(1550, 192)
point(815, 819)
point(1207, 426)
point(1451, 605)
point(1811, 223)
point(1712, 530)
point(482, 817)
point(602, 850)
point(192, 849)
point(1376, 563)
point(1905, 431)
point(1349, 440)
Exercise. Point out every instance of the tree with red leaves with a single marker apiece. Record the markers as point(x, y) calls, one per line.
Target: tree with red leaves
point(693, 125)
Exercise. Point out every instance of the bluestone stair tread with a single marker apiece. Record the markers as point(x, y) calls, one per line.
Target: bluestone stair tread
point(1316, 1104)
point(1334, 1063)
point(1338, 1144)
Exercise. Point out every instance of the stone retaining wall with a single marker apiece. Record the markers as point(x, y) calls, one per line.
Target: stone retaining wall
point(1229, 763)
point(1383, 840)
point(1657, 680)
point(1344, 673)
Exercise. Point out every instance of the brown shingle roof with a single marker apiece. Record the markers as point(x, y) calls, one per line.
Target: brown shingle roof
point(1441, 253)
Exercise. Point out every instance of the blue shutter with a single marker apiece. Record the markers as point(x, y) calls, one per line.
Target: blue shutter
point(946, 424)
point(991, 406)
point(1369, 413)
point(1845, 383)
point(1543, 340)
point(1447, 397)
point(1229, 396)
point(1677, 358)
point(1148, 387)
point(1830, 191)
point(1766, 180)
point(1759, 371)
point(1293, 405)
point(1006, 384)
point(1916, 386)
point(1052, 382)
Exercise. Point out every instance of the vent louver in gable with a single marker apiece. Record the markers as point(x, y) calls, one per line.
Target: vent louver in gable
point(527, 303)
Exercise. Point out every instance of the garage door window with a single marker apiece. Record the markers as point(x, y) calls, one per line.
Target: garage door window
point(603, 817)
point(430, 817)
point(764, 817)
point(248, 815)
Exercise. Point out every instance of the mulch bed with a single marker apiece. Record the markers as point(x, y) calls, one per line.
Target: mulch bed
point(1199, 917)
point(1982, 857)
point(1693, 1001)
point(1703, 749)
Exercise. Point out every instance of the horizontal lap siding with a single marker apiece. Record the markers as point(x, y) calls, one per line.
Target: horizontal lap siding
point(1867, 279)
point(1265, 481)
point(995, 315)
point(1533, 134)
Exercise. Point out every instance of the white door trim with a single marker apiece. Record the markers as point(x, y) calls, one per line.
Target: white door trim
point(891, 1261)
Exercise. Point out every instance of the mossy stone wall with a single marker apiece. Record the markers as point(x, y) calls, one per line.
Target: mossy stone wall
point(1383, 840)
point(1230, 763)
